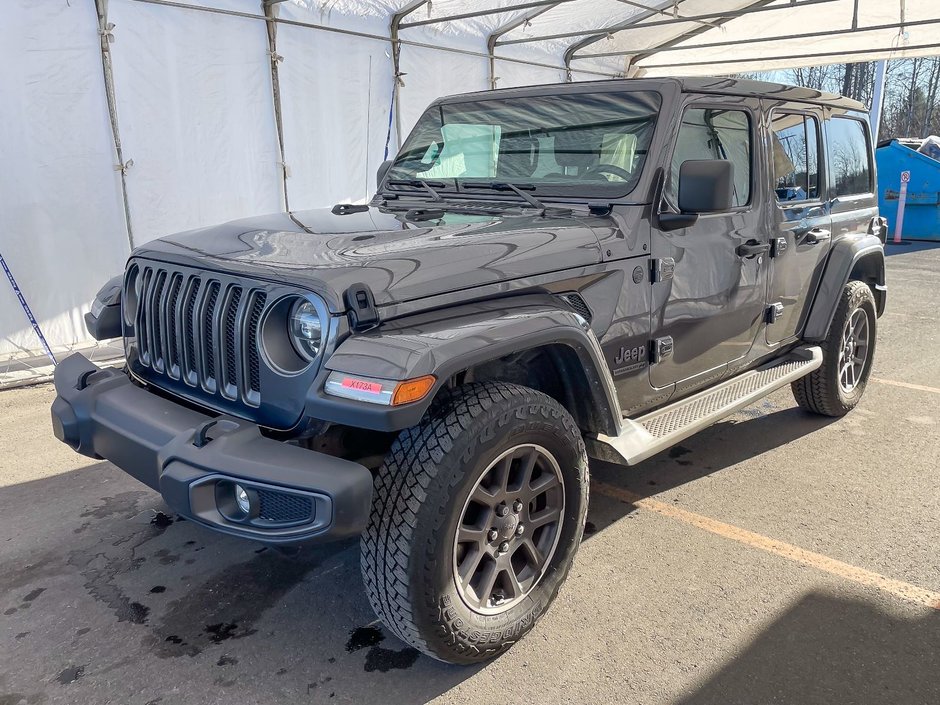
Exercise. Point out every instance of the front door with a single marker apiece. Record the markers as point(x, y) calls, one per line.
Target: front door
point(711, 308)
point(800, 217)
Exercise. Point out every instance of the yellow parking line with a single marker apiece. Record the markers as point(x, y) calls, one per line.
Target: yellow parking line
point(898, 588)
point(906, 385)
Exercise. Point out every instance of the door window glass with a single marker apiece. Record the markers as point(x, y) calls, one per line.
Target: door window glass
point(715, 133)
point(796, 157)
point(849, 158)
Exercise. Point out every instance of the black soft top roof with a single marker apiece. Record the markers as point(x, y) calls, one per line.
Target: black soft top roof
point(697, 84)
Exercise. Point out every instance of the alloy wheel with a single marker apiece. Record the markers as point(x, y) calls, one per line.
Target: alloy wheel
point(853, 353)
point(508, 529)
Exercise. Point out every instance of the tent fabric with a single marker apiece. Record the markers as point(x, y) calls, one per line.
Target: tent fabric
point(214, 127)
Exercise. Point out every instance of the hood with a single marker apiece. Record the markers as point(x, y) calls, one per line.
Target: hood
point(398, 259)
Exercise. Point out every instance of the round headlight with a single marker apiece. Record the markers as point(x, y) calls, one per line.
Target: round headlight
point(306, 330)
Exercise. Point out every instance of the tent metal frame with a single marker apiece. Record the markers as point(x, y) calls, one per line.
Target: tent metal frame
point(649, 11)
point(851, 56)
point(738, 42)
point(596, 34)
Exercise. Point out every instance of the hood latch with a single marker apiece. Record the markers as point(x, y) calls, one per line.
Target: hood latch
point(361, 305)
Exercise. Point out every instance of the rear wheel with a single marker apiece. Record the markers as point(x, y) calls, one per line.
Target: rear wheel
point(477, 515)
point(837, 386)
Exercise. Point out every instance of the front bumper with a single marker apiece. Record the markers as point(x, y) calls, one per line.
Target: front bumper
point(193, 459)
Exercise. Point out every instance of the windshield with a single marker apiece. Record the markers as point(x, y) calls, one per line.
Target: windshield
point(575, 144)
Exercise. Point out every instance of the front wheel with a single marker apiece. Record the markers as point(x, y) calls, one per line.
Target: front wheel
point(477, 515)
point(838, 384)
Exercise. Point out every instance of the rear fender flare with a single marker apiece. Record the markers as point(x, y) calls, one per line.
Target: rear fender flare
point(848, 255)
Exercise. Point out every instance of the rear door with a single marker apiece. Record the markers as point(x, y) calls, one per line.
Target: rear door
point(800, 219)
point(709, 296)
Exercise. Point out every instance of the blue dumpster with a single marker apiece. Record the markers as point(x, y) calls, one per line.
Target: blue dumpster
point(922, 205)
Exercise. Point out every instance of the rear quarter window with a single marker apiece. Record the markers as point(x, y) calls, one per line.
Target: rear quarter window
point(849, 157)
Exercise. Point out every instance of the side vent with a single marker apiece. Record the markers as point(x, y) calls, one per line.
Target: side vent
point(578, 304)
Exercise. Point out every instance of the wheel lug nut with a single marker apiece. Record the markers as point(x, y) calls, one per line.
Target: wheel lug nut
point(492, 535)
point(503, 547)
point(520, 530)
point(502, 511)
point(517, 506)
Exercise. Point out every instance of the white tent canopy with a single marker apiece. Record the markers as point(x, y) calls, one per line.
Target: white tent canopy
point(124, 120)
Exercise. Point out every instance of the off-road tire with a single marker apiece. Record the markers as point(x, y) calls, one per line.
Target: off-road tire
point(419, 495)
point(820, 391)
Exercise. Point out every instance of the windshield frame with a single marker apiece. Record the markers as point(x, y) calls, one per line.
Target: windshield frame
point(648, 94)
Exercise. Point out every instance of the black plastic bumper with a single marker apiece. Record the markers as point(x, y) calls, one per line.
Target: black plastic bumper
point(192, 459)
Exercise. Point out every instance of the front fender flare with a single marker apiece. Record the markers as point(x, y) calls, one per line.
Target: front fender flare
point(444, 343)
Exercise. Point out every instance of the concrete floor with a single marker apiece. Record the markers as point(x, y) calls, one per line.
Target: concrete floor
point(775, 558)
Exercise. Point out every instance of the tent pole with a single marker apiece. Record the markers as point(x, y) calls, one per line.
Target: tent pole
point(394, 26)
point(491, 57)
point(878, 97)
point(270, 14)
point(104, 30)
point(521, 21)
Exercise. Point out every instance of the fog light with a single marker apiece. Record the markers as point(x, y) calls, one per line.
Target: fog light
point(242, 499)
point(236, 502)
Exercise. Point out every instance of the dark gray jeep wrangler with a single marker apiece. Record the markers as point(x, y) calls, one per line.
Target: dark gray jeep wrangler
point(544, 273)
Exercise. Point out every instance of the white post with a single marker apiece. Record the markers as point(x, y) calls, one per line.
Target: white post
point(902, 198)
point(878, 98)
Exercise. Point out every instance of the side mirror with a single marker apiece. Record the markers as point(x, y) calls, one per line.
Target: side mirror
point(104, 320)
point(706, 185)
point(382, 171)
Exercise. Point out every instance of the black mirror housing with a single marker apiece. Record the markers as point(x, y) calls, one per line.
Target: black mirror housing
point(706, 185)
point(104, 320)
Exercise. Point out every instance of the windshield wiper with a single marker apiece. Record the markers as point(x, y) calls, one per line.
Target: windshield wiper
point(505, 186)
point(420, 183)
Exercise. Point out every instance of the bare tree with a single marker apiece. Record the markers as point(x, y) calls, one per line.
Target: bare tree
point(912, 91)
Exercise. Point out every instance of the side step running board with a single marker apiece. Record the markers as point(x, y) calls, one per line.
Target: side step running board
point(660, 429)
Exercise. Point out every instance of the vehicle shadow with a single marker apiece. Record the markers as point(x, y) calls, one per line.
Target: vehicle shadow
point(827, 649)
point(104, 592)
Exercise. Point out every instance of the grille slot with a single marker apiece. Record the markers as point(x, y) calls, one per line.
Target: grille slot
point(283, 508)
point(254, 362)
point(158, 331)
point(174, 354)
point(210, 334)
point(192, 327)
point(230, 353)
point(190, 361)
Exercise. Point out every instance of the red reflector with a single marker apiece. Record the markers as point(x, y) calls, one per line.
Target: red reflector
point(362, 386)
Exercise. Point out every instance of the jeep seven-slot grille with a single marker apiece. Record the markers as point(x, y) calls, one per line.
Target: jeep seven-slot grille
point(200, 330)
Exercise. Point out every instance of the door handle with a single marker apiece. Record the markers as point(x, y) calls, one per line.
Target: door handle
point(817, 235)
point(752, 248)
